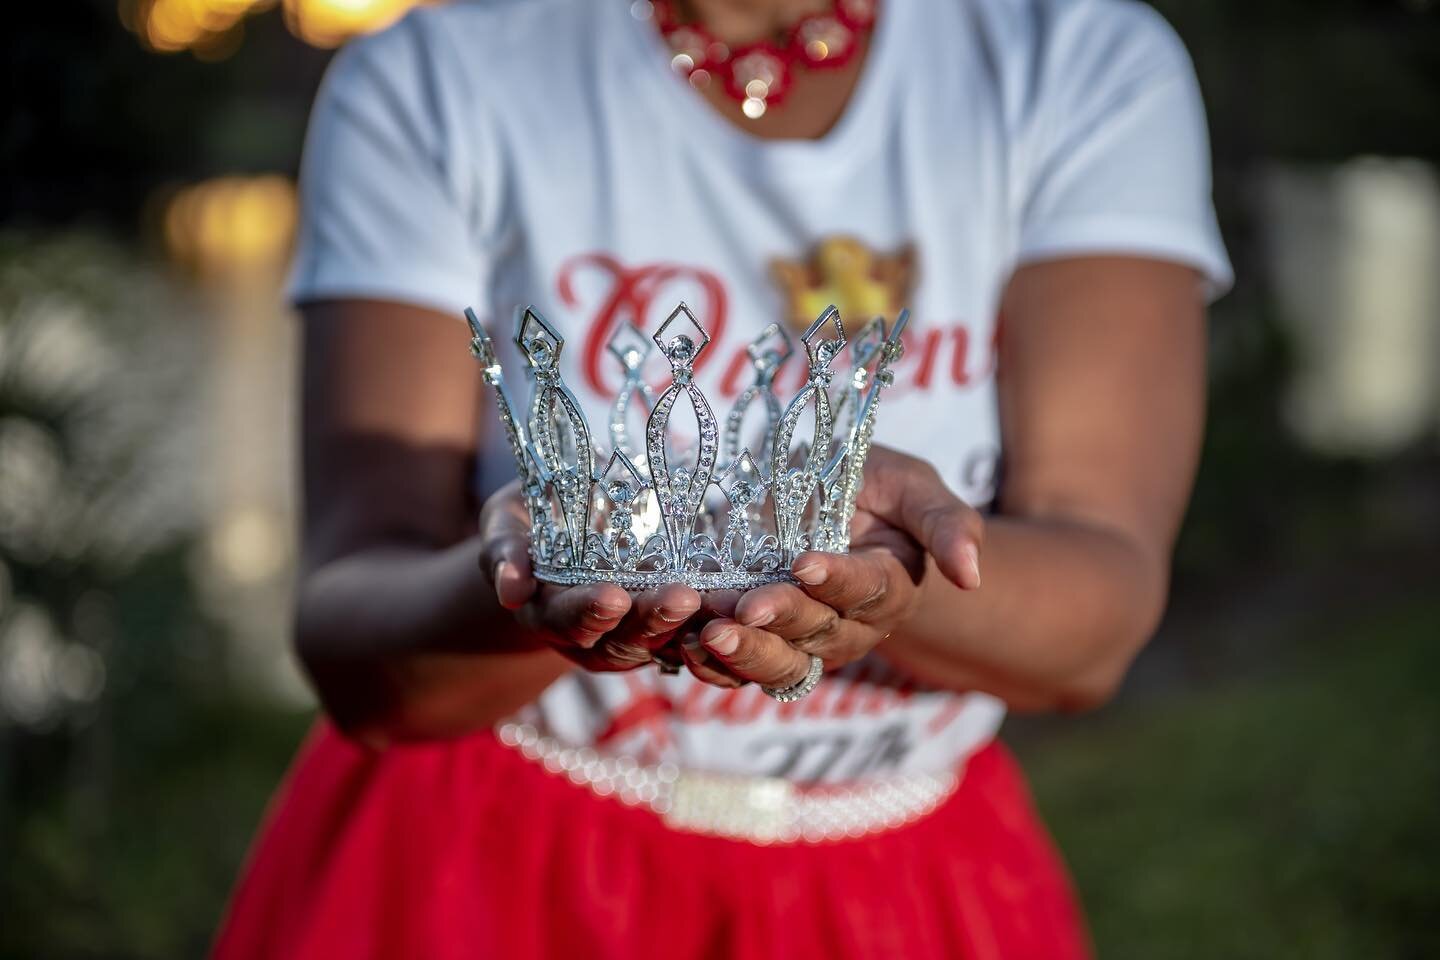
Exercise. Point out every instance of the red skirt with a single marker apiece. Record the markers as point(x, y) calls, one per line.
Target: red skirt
point(466, 849)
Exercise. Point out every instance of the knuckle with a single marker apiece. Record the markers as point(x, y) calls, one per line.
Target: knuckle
point(920, 469)
point(820, 633)
point(935, 517)
point(625, 654)
point(875, 596)
point(938, 512)
point(975, 525)
point(585, 639)
point(748, 657)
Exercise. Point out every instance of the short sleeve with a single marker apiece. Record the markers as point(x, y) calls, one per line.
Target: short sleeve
point(385, 184)
point(1119, 159)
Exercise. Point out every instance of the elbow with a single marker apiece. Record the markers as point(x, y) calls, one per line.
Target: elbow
point(362, 701)
point(1092, 689)
point(352, 696)
point(354, 692)
point(379, 697)
point(1100, 680)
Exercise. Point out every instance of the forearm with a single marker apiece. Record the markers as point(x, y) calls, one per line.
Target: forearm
point(1063, 609)
point(408, 643)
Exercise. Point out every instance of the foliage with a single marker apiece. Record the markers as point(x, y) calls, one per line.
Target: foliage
point(127, 828)
point(121, 742)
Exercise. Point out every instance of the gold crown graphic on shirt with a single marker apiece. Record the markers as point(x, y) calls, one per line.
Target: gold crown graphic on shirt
point(844, 270)
point(712, 511)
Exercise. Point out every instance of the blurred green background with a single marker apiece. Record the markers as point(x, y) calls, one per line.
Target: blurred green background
point(1267, 785)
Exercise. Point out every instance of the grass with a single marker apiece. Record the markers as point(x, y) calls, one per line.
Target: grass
point(1281, 816)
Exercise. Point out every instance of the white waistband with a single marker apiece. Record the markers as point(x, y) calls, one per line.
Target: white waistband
point(758, 809)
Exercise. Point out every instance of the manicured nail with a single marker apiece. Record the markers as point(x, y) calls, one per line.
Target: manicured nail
point(674, 616)
point(605, 611)
point(813, 574)
point(760, 618)
point(724, 643)
point(972, 560)
point(505, 573)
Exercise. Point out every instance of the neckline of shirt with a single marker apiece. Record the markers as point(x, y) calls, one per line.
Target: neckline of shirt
point(854, 135)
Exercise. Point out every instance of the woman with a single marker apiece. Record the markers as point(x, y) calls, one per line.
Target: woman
point(1041, 159)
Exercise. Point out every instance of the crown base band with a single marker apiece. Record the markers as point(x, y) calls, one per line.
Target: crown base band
point(702, 580)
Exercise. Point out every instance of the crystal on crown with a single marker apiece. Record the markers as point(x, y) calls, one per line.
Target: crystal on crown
point(710, 509)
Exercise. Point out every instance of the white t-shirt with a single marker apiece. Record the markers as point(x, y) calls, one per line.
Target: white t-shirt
point(542, 151)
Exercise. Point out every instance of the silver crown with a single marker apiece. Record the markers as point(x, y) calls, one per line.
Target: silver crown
point(713, 512)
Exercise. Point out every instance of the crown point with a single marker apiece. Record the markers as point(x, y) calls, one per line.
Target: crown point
point(769, 351)
point(823, 350)
point(538, 339)
point(476, 330)
point(681, 337)
point(629, 345)
point(741, 482)
point(901, 322)
point(894, 344)
point(868, 340)
point(625, 483)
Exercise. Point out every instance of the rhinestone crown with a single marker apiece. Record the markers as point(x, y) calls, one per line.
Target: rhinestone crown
point(714, 511)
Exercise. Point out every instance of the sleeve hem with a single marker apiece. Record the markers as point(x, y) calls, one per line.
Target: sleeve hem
point(1189, 244)
point(435, 292)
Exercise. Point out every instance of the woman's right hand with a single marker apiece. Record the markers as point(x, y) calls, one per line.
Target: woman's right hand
point(598, 626)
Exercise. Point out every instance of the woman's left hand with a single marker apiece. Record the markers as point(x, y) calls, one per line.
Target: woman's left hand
point(845, 604)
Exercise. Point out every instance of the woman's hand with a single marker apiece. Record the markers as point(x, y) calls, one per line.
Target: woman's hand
point(598, 626)
point(845, 604)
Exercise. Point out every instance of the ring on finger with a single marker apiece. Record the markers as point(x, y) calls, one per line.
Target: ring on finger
point(800, 688)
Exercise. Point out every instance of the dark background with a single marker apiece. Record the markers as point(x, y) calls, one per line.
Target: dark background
point(1265, 786)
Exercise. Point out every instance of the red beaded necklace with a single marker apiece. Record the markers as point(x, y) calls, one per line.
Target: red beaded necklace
point(757, 75)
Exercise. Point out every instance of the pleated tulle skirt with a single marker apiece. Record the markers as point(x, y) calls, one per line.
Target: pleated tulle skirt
point(466, 849)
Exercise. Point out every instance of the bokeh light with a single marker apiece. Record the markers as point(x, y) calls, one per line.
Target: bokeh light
point(328, 23)
point(212, 29)
point(42, 674)
point(250, 545)
point(231, 222)
point(167, 26)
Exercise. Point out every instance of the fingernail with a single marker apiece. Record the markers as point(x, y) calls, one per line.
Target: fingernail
point(813, 574)
point(760, 618)
point(724, 643)
point(501, 569)
point(605, 611)
point(675, 616)
point(972, 560)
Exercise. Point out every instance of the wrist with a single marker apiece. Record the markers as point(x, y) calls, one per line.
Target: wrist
point(933, 591)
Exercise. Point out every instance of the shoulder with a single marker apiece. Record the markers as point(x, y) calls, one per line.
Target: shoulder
point(1090, 38)
point(445, 36)
point(1077, 41)
point(461, 61)
point(1063, 63)
point(1112, 37)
